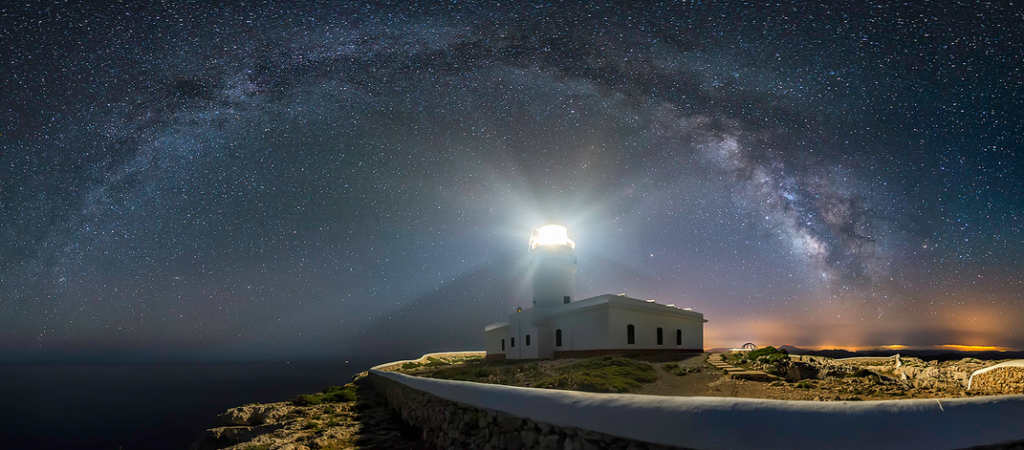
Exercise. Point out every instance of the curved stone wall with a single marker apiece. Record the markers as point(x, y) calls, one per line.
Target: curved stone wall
point(480, 414)
point(1007, 380)
point(448, 424)
point(1004, 378)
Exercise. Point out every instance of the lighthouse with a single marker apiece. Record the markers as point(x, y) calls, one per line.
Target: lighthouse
point(561, 326)
point(552, 266)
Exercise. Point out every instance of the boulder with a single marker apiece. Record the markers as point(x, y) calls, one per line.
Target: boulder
point(256, 414)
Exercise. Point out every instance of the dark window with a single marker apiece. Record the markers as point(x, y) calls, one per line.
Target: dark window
point(630, 334)
point(513, 342)
point(565, 300)
point(558, 338)
point(527, 340)
point(502, 345)
point(679, 337)
point(661, 335)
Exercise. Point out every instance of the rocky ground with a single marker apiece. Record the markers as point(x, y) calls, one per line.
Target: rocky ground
point(819, 378)
point(365, 423)
point(799, 377)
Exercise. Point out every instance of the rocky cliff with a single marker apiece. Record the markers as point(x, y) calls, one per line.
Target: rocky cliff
point(365, 422)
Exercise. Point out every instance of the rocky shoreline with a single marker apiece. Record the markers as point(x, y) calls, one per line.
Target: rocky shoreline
point(363, 423)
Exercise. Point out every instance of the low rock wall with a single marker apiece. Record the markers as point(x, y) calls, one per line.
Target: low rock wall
point(448, 424)
point(1004, 380)
point(460, 414)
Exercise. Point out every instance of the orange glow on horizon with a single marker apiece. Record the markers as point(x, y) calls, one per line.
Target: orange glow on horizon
point(974, 348)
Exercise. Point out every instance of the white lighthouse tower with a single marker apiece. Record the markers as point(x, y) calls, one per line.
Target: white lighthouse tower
point(553, 266)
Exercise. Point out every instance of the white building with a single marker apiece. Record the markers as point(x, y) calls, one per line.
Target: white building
point(560, 326)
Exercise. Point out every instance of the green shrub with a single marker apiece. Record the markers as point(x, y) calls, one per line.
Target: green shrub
point(339, 394)
point(601, 374)
point(333, 394)
point(768, 355)
point(411, 365)
point(459, 373)
point(306, 400)
point(617, 366)
point(435, 362)
point(670, 366)
point(586, 383)
point(803, 385)
point(686, 371)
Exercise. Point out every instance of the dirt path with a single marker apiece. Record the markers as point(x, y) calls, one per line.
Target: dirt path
point(670, 384)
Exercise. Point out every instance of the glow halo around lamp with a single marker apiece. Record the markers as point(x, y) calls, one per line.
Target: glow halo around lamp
point(550, 235)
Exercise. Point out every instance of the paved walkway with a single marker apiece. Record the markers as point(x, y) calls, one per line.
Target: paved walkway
point(736, 372)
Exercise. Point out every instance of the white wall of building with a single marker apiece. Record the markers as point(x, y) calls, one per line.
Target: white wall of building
point(599, 323)
point(493, 338)
point(646, 324)
point(520, 325)
point(585, 329)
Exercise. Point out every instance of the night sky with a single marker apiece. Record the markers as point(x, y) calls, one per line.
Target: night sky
point(186, 181)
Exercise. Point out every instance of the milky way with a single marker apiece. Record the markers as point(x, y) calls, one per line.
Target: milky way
point(198, 182)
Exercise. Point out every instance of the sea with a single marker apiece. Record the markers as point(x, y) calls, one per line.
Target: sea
point(161, 406)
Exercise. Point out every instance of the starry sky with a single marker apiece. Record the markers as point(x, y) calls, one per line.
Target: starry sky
point(191, 181)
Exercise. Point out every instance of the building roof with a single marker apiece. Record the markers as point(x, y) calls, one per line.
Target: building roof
point(621, 300)
point(608, 300)
point(495, 326)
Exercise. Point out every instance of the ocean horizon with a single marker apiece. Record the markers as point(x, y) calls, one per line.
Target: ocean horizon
point(160, 406)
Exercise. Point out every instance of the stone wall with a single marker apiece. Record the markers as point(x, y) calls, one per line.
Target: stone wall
point(448, 424)
point(460, 414)
point(1004, 380)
